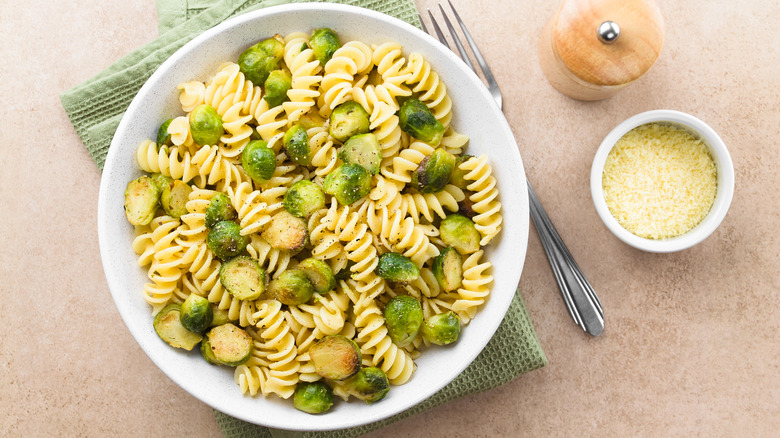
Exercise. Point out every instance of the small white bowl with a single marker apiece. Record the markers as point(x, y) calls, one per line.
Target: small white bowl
point(720, 206)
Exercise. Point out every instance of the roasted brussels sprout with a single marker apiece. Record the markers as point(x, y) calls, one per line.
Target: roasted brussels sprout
point(313, 397)
point(441, 329)
point(163, 137)
point(219, 209)
point(459, 232)
point(221, 316)
point(167, 324)
point(457, 177)
point(243, 278)
point(229, 345)
point(370, 384)
point(466, 206)
point(287, 232)
point(416, 119)
point(276, 87)
point(161, 180)
point(225, 240)
point(348, 119)
point(296, 143)
point(206, 125)
point(403, 318)
point(348, 183)
point(434, 171)
point(258, 61)
point(258, 161)
point(206, 352)
point(174, 198)
point(362, 149)
point(196, 313)
point(319, 274)
point(397, 267)
point(292, 287)
point(304, 198)
point(448, 269)
point(142, 196)
point(311, 119)
point(324, 42)
point(336, 357)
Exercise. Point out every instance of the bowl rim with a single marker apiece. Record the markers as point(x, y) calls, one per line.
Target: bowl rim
point(489, 326)
point(725, 180)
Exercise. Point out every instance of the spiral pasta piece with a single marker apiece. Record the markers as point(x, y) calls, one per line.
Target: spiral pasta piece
point(485, 197)
point(172, 162)
point(279, 345)
point(407, 161)
point(306, 79)
point(191, 94)
point(323, 150)
point(475, 288)
point(165, 265)
point(253, 214)
point(349, 60)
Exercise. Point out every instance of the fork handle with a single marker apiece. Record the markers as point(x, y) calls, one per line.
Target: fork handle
point(580, 298)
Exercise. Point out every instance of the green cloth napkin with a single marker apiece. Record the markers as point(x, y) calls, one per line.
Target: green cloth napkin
point(96, 106)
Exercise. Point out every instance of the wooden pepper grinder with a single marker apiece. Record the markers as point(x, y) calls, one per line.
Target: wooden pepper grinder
point(591, 49)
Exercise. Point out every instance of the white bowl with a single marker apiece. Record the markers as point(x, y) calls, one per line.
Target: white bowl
point(725, 181)
point(475, 113)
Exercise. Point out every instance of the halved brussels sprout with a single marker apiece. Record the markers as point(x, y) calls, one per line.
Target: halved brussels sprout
point(348, 119)
point(403, 318)
point(304, 198)
point(258, 161)
point(276, 87)
point(292, 287)
point(219, 209)
point(311, 119)
point(229, 345)
point(287, 232)
point(225, 240)
point(206, 125)
point(196, 313)
point(142, 196)
point(434, 171)
point(167, 324)
point(336, 357)
point(348, 183)
point(466, 206)
point(221, 316)
point(243, 278)
point(362, 149)
point(370, 384)
point(459, 232)
point(324, 42)
point(417, 120)
point(161, 180)
point(442, 329)
point(174, 198)
point(457, 177)
point(296, 143)
point(313, 397)
point(448, 269)
point(163, 137)
point(397, 267)
point(258, 61)
point(206, 352)
point(319, 274)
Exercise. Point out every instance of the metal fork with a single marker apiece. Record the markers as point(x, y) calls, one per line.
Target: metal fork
point(580, 298)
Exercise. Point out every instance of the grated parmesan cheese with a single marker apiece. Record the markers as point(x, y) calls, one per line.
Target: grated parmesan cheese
point(659, 181)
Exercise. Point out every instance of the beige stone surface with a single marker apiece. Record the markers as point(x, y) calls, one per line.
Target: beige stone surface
point(691, 341)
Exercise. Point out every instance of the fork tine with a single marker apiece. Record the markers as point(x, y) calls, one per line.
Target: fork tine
point(439, 34)
point(422, 24)
point(477, 54)
point(458, 44)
